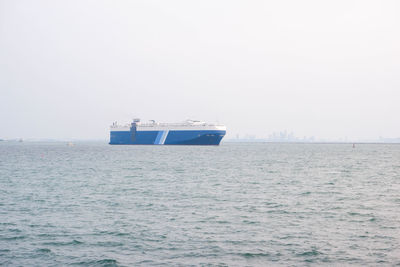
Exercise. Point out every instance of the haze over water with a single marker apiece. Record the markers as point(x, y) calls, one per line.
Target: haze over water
point(232, 205)
point(328, 69)
point(269, 70)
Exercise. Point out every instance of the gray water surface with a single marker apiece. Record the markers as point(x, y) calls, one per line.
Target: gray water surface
point(232, 205)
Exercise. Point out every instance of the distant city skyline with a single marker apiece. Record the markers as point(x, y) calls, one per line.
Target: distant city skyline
point(290, 137)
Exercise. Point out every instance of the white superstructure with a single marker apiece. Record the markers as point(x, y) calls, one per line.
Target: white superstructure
point(189, 125)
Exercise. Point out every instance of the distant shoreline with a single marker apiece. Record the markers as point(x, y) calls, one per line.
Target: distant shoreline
point(229, 141)
point(316, 143)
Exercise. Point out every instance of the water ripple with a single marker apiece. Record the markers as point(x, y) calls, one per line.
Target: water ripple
point(233, 205)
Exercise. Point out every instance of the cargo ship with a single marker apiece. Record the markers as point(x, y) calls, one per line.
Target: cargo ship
point(190, 132)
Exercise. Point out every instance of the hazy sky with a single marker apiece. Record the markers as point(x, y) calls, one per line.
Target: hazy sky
point(331, 69)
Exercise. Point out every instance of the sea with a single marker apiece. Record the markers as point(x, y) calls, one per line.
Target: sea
point(237, 204)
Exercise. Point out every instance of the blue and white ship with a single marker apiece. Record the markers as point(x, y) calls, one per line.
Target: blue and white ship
point(189, 132)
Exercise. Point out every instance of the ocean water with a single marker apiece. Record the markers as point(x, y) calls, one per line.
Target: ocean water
point(233, 205)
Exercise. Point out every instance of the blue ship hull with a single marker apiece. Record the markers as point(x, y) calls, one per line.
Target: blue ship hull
point(171, 137)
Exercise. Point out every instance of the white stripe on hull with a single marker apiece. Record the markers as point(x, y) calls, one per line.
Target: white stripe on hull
point(163, 137)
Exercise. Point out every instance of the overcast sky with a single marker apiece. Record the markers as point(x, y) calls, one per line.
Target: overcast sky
point(329, 69)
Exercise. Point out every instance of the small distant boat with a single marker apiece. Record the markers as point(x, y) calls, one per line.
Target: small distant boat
point(20, 140)
point(70, 144)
